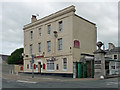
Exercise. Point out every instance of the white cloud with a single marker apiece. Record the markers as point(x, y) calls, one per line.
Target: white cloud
point(61, 1)
point(15, 15)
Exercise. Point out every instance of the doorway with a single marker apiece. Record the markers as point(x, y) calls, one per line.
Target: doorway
point(39, 67)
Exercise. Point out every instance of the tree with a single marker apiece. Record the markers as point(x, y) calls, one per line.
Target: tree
point(15, 56)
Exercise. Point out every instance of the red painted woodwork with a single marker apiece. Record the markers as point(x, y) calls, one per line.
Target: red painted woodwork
point(43, 66)
point(21, 68)
point(76, 44)
point(34, 66)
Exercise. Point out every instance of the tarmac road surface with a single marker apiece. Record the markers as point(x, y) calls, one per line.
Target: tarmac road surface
point(107, 83)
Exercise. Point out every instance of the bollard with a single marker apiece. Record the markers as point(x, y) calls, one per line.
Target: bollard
point(74, 70)
point(101, 77)
point(12, 71)
point(16, 73)
point(9, 71)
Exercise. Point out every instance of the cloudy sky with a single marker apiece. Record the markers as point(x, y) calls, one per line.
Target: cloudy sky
point(14, 15)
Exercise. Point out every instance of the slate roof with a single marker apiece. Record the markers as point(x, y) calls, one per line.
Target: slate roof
point(114, 50)
point(4, 57)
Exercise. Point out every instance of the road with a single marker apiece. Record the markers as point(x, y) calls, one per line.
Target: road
point(47, 81)
point(107, 83)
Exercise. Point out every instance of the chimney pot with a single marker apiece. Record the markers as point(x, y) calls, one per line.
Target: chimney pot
point(33, 19)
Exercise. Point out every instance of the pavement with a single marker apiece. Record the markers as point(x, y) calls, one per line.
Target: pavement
point(41, 78)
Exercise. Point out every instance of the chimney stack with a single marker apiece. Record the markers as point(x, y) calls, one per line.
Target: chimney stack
point(33, 19)
point(111, 46)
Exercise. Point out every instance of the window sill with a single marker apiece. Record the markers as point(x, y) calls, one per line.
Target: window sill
point(50, 70)
point(64, 69)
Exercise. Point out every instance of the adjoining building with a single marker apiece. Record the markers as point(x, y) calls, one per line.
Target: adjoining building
point(3, 57)
point(57, 41)
point(112, 60)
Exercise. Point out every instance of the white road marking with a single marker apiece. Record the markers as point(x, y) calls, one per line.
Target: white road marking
point(46, 78)
point(111, 83)
point(25, 81)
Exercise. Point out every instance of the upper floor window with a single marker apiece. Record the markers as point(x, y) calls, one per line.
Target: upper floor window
point(64, 63)
point(40, 32)
point(31, 49)
point(49, 29)
point(60, 26)
point(39, 47)
point(60, 44)
point(49, 46)
point(115, 56)
point(31, 35)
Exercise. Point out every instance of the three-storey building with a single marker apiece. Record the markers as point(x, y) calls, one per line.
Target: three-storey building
point(57, 40)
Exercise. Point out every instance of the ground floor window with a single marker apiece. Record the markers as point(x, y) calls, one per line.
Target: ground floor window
point(64, 63)
point(112, 67)
point(50, 65)
point(57, 66)
point(27, 66)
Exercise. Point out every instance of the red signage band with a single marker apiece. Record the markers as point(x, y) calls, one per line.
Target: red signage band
point(38, 56)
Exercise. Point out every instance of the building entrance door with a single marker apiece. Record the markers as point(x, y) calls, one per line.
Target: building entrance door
point(39, 66)
point(85, 69)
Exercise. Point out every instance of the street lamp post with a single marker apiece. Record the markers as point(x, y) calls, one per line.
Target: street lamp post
point(55, 35)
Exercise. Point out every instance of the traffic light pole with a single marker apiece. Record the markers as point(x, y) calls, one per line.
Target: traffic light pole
point(32, 71)
point(32, 66)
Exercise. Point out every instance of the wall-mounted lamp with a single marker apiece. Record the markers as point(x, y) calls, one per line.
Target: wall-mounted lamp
point(55, 34)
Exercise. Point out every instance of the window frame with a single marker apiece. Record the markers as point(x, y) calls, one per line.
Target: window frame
point(60, 44)
point(27, 66)
point(31, 49)
point(49, 64)
point(113, 67)
point(60, 26)
point(39, 47)
point(57, 66)
point(115, 57)
point(40, 31)
point(31, 35)
point(64, 65)
point(48, 46)
point(49, 29)
point(76, 44)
